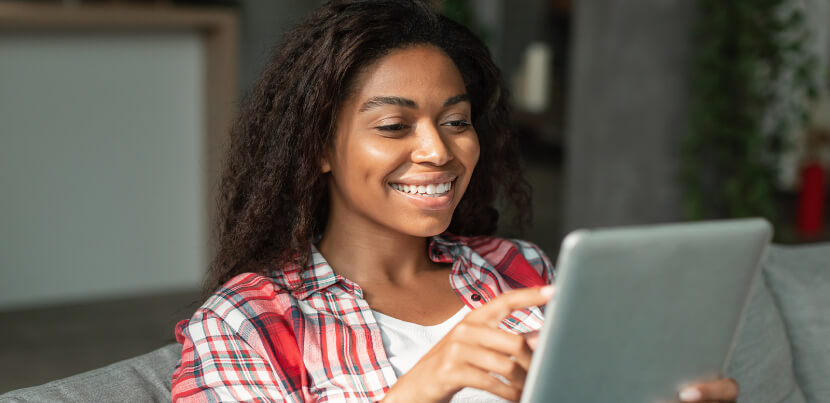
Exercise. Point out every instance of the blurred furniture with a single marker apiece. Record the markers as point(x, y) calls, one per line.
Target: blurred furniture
point(782, 354)
point(144, 378)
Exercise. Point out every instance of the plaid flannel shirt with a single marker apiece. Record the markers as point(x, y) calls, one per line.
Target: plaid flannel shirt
point(307, 334)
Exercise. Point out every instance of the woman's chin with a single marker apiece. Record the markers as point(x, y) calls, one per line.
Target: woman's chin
point(427, 227)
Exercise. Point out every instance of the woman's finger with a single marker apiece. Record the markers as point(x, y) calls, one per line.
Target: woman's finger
point(721, 390)
point(511, 345)
point(477, 378)
point(493, 312)
point(495, 363)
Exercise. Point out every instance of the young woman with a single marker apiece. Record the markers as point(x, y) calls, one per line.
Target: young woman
point(356, 261)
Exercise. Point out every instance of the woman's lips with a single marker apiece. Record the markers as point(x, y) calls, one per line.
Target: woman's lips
point(427, 201)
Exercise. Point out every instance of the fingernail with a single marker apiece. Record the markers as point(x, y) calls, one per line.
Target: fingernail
point(546, 291)
point(690, 395)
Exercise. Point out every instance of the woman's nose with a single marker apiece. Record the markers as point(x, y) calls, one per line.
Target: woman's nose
point(430, 146)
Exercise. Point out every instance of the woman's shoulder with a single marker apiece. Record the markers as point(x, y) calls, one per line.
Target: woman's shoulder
point(253, 293)
point(228, 343)
point(242, 302)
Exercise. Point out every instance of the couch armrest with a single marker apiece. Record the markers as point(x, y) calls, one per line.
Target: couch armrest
point(144, 378)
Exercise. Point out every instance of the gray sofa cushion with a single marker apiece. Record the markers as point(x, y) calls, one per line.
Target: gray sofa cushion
point(761, 361)
point(145, 378)
point(799, 279)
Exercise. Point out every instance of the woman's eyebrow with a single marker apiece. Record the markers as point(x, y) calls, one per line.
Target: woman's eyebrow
point(456, 99)
point(375, 102)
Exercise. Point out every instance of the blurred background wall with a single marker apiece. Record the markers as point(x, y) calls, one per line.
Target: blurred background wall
point(628, 108)
point(102, 166)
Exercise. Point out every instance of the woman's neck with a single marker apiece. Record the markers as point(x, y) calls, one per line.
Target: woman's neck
point(370, 254)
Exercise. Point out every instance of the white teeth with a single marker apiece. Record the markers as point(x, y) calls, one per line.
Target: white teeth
point(432, 189)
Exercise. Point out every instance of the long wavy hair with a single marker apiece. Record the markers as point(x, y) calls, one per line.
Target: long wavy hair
point(273, 199)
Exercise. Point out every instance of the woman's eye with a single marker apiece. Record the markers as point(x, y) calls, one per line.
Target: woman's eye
point(392, 128)
point(459, 125)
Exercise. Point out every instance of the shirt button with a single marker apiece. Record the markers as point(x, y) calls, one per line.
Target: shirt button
point(475, 297)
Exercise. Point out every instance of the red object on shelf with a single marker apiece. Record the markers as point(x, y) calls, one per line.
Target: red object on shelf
point(811, 201)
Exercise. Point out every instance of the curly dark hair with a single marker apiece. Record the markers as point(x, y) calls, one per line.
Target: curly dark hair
point(273, 199)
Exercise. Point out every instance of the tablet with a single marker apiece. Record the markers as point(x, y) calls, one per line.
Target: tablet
point(641, 312)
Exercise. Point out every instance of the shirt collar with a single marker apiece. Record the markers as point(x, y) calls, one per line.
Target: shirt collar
point(443, 248)
point(317, 275)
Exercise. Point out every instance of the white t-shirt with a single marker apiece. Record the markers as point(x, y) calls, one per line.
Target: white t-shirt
point(407, 342)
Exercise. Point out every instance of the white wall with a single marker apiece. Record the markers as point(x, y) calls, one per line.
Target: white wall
point(101, 165)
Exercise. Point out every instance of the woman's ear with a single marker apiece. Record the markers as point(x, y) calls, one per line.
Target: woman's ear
point(326, 157)
point(325, 165)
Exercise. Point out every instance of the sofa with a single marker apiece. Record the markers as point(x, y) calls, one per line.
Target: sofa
point(781, 355)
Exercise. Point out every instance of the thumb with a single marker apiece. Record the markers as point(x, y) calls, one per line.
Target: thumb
point(532, 339)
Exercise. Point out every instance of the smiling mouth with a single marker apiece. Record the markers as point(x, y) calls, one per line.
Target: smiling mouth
point(430, 190)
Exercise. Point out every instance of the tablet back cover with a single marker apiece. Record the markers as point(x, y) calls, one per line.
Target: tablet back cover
point(642, 311)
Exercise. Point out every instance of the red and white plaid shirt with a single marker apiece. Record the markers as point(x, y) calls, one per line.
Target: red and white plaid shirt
point(307, 334)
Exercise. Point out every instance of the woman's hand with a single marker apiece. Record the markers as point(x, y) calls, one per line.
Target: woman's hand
point(721, 390)
point(472, 352)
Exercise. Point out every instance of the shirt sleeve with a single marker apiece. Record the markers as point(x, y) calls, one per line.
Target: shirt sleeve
point(538, 259)
point(219, 365)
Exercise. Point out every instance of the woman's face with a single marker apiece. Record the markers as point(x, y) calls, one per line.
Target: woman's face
point(404, 148)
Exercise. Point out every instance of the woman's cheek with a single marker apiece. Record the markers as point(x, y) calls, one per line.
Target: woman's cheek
point(470, 149)
point(469, 152)
point(379, 151)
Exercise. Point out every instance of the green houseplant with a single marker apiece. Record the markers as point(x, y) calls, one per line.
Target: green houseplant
point(752, 80)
